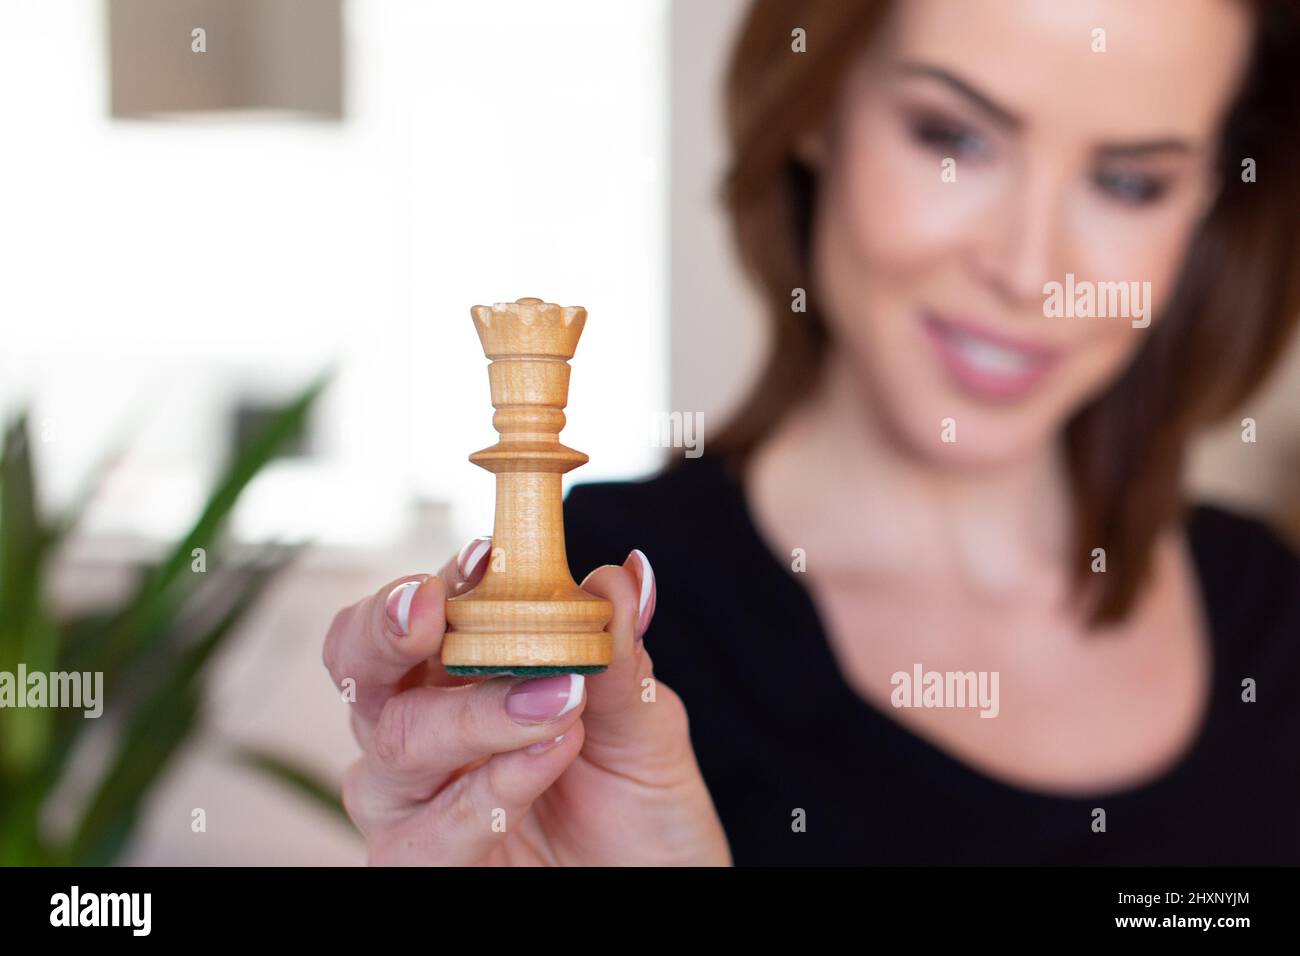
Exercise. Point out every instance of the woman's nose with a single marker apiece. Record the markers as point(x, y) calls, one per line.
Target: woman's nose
point(1019, 251)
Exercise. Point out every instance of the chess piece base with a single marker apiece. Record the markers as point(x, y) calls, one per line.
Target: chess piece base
point(502, 653)
point(523, 671)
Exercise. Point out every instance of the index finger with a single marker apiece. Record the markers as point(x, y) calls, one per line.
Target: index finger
point(390, 641)
point(382, 644)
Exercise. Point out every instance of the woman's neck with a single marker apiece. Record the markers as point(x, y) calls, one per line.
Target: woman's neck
point(832, 480)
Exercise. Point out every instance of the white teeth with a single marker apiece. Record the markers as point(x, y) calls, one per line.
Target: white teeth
point(988, 357)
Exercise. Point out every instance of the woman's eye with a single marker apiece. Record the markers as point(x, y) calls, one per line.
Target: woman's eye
point(949, 139)
point(1131, 188)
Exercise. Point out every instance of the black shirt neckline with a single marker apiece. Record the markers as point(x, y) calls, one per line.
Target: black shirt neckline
point(848, 704)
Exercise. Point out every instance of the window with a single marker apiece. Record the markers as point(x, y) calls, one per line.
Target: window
point(165, 275)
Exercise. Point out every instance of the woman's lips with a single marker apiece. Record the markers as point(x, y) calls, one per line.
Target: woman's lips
point(985, 364)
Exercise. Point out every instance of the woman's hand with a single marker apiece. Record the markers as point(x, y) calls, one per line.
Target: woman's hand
point(458, 771)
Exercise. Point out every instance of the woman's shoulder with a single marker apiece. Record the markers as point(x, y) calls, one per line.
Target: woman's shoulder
point(1244, 564)
point(604, 520)
point(694, 477)
point(680, 493)
point(1250, 581)
point(689, 521)
point(1247, 552)
point(1249, 574)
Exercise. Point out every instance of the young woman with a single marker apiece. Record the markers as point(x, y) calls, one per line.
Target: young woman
point(937, 474)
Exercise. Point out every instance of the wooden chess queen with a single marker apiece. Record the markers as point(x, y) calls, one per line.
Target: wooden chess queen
point(527, 616)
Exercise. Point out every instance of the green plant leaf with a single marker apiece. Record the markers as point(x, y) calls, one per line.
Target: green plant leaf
point(20, 839)
point(28, 635)
point(67, 522)
point(158, 727)
point(22, 539)
point(160, 639)
point(294, 776)
point(163, 591)
point(155, 735)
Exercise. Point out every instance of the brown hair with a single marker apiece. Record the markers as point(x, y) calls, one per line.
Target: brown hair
point(1236, 302)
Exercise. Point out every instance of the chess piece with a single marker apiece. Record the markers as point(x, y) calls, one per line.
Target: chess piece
point(527, 616)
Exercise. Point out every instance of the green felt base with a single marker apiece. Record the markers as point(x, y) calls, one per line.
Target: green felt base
point(524, 671)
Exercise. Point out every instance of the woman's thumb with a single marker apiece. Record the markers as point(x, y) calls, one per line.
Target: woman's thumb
point(621, 701)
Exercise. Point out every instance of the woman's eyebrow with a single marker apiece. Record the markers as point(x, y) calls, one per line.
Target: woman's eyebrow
point(1009, 120)
point(999, 114)
point(1169, 144)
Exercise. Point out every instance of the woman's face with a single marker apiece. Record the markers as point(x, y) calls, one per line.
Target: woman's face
point(979, 152)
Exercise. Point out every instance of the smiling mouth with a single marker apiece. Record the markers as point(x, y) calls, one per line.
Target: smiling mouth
point(984, 364)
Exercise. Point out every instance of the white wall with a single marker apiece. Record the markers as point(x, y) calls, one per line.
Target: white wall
point(155, 270)
point(718, 331)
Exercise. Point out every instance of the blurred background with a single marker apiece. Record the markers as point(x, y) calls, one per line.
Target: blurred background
point(205, 206)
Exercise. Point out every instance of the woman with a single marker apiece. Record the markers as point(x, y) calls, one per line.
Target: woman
point(933, 595)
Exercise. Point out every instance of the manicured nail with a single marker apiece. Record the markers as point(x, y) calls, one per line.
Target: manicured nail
point(543, 746)
point(646, 601)
point(472, 555)
point(398, 605)
point(545, 698)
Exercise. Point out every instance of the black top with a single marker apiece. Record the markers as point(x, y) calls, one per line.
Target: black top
point(776, 727)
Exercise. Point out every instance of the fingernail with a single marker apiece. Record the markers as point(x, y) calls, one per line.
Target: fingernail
point(398, 606)
point(545, 698)
point(543, 746)
point(646, 601)
point(472, 555)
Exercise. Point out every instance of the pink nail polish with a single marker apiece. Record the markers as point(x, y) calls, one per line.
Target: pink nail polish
point(646, 599)
point(398, 606)
point(472, 557)
point(545, 698)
